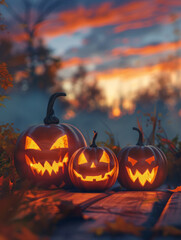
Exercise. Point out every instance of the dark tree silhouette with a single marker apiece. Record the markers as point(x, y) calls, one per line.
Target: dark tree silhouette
point(30, 27)
point(16, 61)
point(88, 94)
point(162, 92)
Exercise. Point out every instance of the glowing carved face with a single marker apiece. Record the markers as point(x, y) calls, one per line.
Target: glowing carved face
point(46, 161)
point(147, 175)
point(100, 170)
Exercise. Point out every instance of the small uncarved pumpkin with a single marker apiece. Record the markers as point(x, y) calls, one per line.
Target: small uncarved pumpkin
point(93, 168)
point(141, 167)
point(43, 151)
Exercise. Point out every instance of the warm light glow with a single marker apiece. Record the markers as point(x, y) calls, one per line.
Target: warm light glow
point(95, 178)
point(146, 176)
point(128, 106)
point(61, 142)
point(179, 113)
point(20, 75)
point(69, 114)
point(65, 159)
point(132, 161)
point(31, 144)
point(150, 160)
point(40, 169)
point(105, 158)
point(82, 159)
point(115, 113)
point(93, 165)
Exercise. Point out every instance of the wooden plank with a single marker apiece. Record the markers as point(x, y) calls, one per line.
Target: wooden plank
point(171, 214)
point(140, 208)
point(75, 197)
point(51, 198)
point(83, 199)
point(135, 207)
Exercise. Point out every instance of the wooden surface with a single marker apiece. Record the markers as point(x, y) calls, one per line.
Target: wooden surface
point(150, 209)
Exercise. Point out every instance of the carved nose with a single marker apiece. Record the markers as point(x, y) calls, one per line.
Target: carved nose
point(93, 165)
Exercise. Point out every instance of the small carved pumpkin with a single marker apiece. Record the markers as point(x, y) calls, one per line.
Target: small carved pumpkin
point(141, 167)
point(93, 168)
point(42, 152)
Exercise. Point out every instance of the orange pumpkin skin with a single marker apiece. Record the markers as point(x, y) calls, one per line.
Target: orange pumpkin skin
point(142, 167)
point(93, 168)
point(43, 152)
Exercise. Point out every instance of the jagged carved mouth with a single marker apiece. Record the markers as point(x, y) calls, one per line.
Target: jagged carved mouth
point(146, 176)
point(101, 177)
point(39, 168)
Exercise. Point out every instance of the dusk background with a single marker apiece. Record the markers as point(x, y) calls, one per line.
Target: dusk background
point(119, 63)
point(116, 60)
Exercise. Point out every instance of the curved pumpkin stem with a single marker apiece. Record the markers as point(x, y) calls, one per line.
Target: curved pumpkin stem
point(50, 117)
point(93, 144)
point(140, 139)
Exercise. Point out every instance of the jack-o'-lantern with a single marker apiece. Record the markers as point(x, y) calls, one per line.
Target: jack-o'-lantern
point(43, 151)
point(93, 168)
point(141, 167)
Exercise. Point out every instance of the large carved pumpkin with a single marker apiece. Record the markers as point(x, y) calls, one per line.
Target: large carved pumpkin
point(43, 151)
point(141, 167)
point(93, 168)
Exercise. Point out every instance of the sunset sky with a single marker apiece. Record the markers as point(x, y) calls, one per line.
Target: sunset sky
point(124, 45)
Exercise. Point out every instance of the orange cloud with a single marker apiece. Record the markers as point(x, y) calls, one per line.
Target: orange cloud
point(148, 50)
point(131, 15)
point(131, 73)
point(75, 61)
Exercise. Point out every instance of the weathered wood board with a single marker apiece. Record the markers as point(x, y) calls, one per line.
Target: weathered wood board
point(171, 214)
point(140, 208)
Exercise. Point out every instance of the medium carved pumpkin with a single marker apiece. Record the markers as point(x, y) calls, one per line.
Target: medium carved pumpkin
point(93, 168)
point(43, 151)
point(141, 167)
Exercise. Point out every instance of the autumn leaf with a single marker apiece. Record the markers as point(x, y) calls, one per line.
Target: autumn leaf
point(3, 3)
point(68, 210)
point(177, 189)
point(2, 27)
point(120, 226)
point(5, 77)
point(167, 231)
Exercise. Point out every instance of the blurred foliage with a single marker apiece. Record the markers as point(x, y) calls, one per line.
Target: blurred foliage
point(5, 81)
point(8, 137)
point(110, 143)
point(23, 214)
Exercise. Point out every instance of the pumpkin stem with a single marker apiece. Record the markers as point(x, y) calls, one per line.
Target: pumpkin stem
point(50, 117)
point(140, 139)
point(93, 144)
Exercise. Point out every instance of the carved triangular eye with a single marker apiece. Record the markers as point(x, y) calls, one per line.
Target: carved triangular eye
point(132, 161)
point(150, 160)
point(105, 158)
point(31, 144)
point(61, 142)
point(82, 159)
